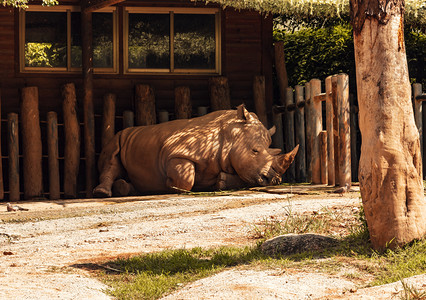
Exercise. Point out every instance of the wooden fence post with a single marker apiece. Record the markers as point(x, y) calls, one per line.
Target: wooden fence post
point(259, 98)
point(289, 132)
point(202, 110)
point(53, 154)
point(299, 120)
point(72, 141)
point(277, 138)
point(183, 107)
point(344, 130)
point(128, 119)
point(308, 125)
point(163, 116)
point(31, 143)
point(145, 105)
point(330, 133)
point(108, 119)
point(315, 117)
point(354, 153)
point(13, 142)
point(1, 162)
point(220, 96)
point(323, 156)
point(281, 70)
point(335, 128)
point(418, 112)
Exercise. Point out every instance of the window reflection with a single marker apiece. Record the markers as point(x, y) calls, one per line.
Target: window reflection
point(194, 45)
point(46, 39)
point(149, 41)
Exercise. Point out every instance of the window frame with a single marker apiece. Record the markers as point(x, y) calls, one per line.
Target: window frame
point(171, 11)
point(68, 10)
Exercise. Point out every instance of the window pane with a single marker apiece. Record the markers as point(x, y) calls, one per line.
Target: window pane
point(149, 41)
point(46, 39)
point(76, 40)
point(102, 40)
point(194, 44)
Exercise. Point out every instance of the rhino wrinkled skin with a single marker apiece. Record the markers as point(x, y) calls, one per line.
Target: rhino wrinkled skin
point(223, 149)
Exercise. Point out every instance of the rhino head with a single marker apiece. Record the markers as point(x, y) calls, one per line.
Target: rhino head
point(250, 155)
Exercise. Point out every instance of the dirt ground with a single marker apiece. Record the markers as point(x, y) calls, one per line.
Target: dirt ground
point(43, 249)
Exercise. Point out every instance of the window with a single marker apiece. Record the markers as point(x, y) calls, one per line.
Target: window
point(155, 40)
point(172, 40)
point(51, 40)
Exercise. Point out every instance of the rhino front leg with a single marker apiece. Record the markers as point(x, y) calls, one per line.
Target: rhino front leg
point(110, 171)
point(180, 175)
point(227, 181)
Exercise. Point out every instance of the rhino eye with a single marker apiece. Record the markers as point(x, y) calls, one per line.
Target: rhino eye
point(255, 150)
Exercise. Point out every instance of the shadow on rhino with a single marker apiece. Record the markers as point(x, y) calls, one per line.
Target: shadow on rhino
point(225, 149)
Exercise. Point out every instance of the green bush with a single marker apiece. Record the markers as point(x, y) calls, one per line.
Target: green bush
point(320, 52)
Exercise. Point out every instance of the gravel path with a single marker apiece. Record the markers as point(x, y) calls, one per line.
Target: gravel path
point(41, 248)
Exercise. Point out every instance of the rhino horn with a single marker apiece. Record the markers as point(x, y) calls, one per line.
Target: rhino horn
point(272, 130)
point(285, 160)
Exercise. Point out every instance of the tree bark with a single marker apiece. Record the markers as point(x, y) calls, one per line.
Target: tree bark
point(390, 171)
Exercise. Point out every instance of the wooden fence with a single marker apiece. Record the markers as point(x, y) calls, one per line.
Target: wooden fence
point(320, 123)
point(51, 162)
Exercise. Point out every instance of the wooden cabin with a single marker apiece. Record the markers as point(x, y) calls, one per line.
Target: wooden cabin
point(164, 44)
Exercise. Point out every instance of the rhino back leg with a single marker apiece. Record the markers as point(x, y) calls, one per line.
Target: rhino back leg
point(180, 175)
point(110, 168)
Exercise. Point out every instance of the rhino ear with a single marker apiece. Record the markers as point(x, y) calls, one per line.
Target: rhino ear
point(272, 130)
point(243, 113)
point(286, 159)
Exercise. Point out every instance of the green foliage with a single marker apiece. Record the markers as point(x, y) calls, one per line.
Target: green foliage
point(320, 52)
point(317, 53)
point(415, 10)
point(24, 3)
point(44, 55)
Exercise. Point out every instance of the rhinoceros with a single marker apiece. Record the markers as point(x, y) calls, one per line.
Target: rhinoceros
point(223, 149)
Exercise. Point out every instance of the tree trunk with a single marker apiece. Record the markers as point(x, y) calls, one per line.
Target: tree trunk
point(390, 171)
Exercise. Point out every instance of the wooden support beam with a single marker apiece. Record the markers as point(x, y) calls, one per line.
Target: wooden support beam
point(308, 130)
point(145, 105)
point(183, 106)
point(92, 5)
point(281, 70)
point(289, 145)
point(277, 138)
point(329, 112)
point(31, 144)
point(323, 156)
point(13, 145)
point(259, 93)
point(344, 162)
point(418, 116)
point(108, 119)
point(299, 124)
point(220, 95)
point(315, 117)
point(321, 97)
point(335, 128)
point(53, 154)
point(1, 163)
point(88, 111)
point(72, 141)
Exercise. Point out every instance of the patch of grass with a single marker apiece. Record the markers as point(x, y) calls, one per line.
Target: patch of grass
point(152, 275)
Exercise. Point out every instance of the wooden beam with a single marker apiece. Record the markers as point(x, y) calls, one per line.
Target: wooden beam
point(92, 5)
point(89, 117)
